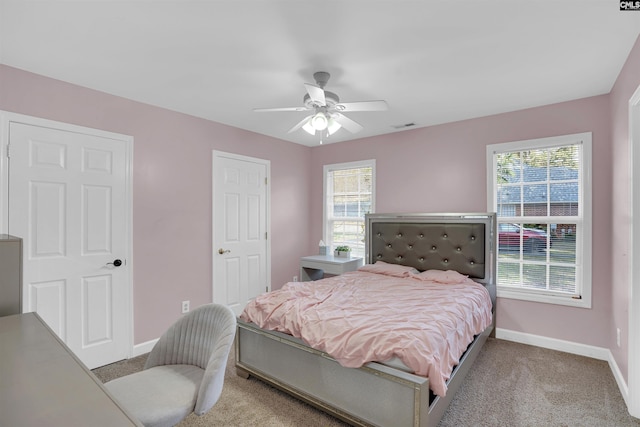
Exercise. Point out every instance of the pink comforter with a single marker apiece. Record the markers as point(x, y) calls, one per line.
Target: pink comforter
point(361, 317)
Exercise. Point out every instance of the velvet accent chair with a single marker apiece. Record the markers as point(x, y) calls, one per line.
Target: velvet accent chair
point(184, 372)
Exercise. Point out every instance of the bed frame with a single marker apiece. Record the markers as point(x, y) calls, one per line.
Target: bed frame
point(375, 394)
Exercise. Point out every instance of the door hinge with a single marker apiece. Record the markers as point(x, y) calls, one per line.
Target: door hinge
point(265, 236)
point(266, 289)
point(8, 150)
point(265, 181)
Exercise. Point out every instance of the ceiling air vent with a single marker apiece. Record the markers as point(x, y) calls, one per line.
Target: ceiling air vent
point(406, 125)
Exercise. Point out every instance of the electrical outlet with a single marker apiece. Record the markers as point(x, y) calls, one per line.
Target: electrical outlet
point(618, 337)
point(295, 278)
point(185, 307)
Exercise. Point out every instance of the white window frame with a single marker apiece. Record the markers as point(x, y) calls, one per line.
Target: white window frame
point(583, 221)
point(341, 166)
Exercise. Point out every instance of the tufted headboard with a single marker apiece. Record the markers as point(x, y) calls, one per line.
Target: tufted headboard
point(462, 242)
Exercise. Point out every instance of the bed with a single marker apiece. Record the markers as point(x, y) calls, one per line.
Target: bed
point(382, 394)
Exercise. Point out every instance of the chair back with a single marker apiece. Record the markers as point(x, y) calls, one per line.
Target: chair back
point(198, 346)
point(192, 339)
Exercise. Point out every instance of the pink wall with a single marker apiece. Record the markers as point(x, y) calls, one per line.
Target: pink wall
point(443, 169)
point(627, 83)
point(172, 189)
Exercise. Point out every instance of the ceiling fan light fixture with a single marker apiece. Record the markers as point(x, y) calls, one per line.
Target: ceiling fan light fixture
point(319, 121)
point(307, 127)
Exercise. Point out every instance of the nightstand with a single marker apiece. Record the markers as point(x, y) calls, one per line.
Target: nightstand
point(316, 267)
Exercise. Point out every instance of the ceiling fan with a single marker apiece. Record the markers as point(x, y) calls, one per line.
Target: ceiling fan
point(326, 108)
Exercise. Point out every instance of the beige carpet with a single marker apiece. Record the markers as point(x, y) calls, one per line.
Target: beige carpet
point(510, 385)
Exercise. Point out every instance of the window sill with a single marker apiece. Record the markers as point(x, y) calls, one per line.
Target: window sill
point(523, 295)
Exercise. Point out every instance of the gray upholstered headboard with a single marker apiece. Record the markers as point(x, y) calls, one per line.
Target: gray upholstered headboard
point(462, 242)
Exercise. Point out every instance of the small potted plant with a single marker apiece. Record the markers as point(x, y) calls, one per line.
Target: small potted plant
point(342, 251)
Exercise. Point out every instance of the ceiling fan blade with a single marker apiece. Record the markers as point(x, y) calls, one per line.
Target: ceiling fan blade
point(300, 124)
point(362, 106)
point(262, 110)
point(316, 94)
point(350, 125)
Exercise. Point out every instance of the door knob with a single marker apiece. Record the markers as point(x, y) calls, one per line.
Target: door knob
point(223, 251)
point(115, 263)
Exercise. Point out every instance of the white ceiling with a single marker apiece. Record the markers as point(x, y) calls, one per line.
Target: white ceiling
point(432, 61)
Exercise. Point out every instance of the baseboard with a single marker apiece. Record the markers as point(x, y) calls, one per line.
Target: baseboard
point(554, 344)
point(143, 348)
point(622, 384)
point(569, 347)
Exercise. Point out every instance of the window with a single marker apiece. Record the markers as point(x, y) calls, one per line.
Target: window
point(349, 190)
point(541, 192)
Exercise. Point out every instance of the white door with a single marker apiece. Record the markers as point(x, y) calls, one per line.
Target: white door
point(68, 200)
point(240, 234)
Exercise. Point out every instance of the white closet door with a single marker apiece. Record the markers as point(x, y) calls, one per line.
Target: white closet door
point(68, 200)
